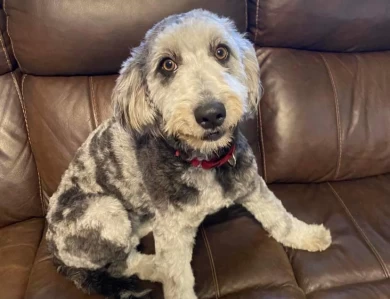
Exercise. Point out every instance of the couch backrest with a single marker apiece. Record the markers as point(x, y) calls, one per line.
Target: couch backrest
point(92, 37)
point(324, 116)
point(332, 25)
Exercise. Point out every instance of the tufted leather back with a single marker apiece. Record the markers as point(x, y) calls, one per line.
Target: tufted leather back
point(334, 25)
point(92, 37)
point(324, 116)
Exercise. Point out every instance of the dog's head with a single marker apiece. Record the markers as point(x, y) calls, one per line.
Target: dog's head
point(194, 77)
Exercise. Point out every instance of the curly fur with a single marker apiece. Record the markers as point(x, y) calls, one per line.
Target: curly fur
point(126, 181)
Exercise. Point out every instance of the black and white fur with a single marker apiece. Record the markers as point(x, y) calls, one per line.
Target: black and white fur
point(126, 181)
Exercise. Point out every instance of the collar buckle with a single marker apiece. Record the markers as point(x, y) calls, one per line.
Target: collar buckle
point(232, 161)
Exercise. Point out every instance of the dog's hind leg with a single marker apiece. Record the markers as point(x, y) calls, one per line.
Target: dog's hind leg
point(88, 237)
point(283, 226)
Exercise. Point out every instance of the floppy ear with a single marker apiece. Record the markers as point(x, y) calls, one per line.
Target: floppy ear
point(252, 72)
point(130, 97)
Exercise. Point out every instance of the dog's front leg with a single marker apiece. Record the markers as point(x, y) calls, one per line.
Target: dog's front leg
point(142, 265)
point(174, 248)
point(283, 226)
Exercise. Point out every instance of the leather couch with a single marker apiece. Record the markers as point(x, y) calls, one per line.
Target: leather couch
point(321, 138)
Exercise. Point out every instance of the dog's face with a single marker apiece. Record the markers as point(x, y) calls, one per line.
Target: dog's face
point(194, 77)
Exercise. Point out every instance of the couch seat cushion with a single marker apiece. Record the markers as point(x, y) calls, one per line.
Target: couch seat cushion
point(236, 257)
point(233, 258)
point(357, 214)
point(18, 246)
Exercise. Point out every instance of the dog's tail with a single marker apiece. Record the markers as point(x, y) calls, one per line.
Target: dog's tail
point(101, 282)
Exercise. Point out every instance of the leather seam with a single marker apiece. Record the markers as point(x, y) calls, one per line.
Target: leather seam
point(211, 260)
point(361, 232)
point(246, 15)
point(260, 143)
point(294, 275)
point(5, 52)
point(256, 287)
point(257, 18)
point(21, 99)
point(93, 102)
point(9, 34)
point(338, 120)
point(35, 259)
point(345, 285)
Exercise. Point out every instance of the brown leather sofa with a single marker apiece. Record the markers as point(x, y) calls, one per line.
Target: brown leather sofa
point(321, 138)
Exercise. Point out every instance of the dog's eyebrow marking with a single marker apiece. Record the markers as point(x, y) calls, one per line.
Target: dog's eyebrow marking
point(169, 53)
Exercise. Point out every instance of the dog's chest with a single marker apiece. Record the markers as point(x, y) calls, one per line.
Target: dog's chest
point(212, 194)
point(215, 190)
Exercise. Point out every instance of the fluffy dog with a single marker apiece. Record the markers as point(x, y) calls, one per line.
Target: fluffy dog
point(170, 156)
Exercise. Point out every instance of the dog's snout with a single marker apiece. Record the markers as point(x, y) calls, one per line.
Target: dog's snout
point(210, 115)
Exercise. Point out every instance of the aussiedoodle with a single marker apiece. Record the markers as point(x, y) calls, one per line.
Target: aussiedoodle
point(171, 155)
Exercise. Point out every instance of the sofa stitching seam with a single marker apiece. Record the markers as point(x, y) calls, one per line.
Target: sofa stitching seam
point(256, 287)
point(5, 51)
point(9, 34)
point(212, 264)
point(257, 18)
point(93, 102)
point(338, 120)
point(260, 142)
point(246, 15)
point(360, 230)
point(35, 259)
point(21, 100)
point(337, 287)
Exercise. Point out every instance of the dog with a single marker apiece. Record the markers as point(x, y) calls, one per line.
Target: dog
point(171, 155)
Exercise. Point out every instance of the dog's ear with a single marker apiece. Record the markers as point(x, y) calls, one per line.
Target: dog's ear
point(252, 72)
point(130, 97)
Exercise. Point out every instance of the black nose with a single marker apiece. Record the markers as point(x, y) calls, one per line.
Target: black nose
point(210, 115)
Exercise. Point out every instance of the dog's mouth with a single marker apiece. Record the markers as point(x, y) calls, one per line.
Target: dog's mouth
point(213, 135)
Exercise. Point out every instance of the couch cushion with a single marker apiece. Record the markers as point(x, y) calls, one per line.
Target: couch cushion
point(237, 257)
point(61, 112)
point(332, 25)
point(18, 246)
point(357, 214)
point(369, 290)
point(19, 186)
point(92, 36)
point(324, 116)
point(269, 292)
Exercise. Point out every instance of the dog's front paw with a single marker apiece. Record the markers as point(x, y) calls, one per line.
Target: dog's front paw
point(315, 238)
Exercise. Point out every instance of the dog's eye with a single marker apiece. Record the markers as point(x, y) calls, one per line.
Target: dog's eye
point(168, 65)
point(222, 53)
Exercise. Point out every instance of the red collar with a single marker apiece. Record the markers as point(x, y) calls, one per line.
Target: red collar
point(229, 157)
